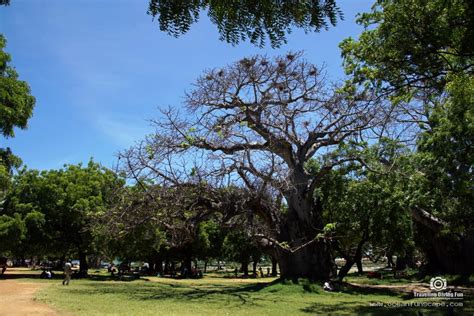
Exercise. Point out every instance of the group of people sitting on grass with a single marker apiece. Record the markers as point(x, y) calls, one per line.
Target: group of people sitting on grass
point(47, 273)
point(124, 269)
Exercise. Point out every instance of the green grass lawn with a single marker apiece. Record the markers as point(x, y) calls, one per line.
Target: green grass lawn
point(214, 295)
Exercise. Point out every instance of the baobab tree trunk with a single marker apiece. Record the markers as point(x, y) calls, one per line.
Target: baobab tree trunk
point(313, 261)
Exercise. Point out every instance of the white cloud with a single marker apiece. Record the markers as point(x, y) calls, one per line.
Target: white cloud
point(123, 132)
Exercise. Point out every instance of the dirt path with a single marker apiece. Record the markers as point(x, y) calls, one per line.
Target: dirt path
point(16, 298)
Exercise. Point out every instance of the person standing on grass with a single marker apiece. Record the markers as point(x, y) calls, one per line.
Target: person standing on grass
point(67, 273)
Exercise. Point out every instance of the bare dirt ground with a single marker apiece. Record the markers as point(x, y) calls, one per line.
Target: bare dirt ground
point(17, 298)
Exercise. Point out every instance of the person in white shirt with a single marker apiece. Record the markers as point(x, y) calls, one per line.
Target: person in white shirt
point(67, 273)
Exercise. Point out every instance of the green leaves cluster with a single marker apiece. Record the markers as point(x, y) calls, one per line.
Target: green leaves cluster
point(255, 21)
point(58, 207)
point(369, 205)
point(16, 107)
point(446, 156)
point(16, 101)
point(411, 45)
point(238, 246)
point(421, 53)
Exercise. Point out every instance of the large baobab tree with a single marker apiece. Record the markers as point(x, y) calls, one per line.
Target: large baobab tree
point(258, 124)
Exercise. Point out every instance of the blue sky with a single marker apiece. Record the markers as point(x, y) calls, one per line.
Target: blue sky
point(100, 71)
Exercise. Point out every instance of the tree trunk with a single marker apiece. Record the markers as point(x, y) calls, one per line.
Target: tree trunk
point(314, 259)
point(173, 268)
point(155, 264)
point(254, 268)
point(313, 262)
point(186, 267)
point(245, 268)
point(390, 263)
point(350, 260)
point(205, 266)
point(159, 266)
point(346, 268)
point(83, 266)
point(401, 263)
point(360, 270)
point(274, 267)
point(405, 261)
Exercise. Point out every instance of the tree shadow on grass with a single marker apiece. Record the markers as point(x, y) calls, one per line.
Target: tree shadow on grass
point(239, 294)
point(108, 278)
point(175, 291)
point(366, 290)
point(60, 276)
point(374, 307)
point(30, 276)
point(244, 295)
point(351, 308)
